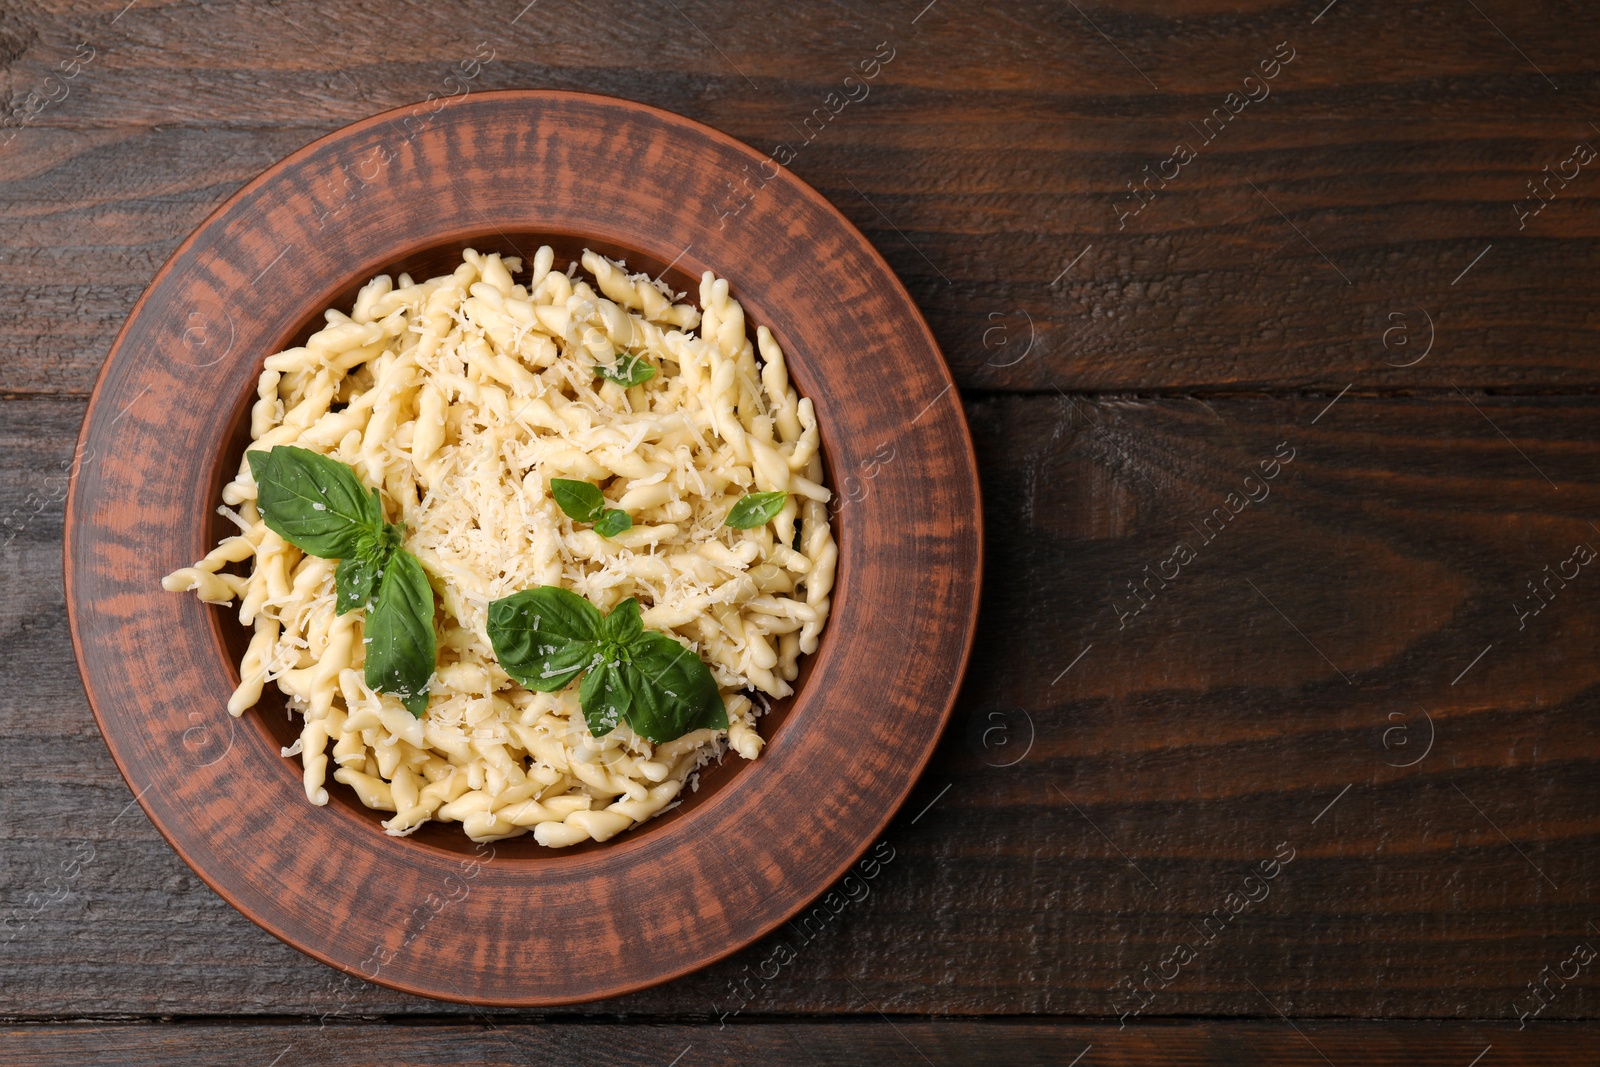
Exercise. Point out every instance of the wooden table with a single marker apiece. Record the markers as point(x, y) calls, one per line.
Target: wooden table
point(1274, 325)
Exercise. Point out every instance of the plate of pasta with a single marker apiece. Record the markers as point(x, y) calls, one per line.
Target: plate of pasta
point(491, 534)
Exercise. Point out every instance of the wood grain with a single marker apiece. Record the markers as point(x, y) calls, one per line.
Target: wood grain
point(994, 148)
point(991, 152)
point(1196, 739)
point(844, 1042)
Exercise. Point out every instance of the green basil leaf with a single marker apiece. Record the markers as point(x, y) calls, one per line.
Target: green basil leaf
point(315, 503)
point(355, 582)
point(671, 692)
point(756, 509)
point(622, 626)
point(402, 648)
point(612, 521)
point(544, 637)
point(604, 697)
point(628, 370)
point(580, 500)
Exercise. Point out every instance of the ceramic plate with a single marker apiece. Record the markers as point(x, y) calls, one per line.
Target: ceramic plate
point(513, 923)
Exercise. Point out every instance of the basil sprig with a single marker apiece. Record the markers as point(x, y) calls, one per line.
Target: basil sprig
point(629, 369)
point(756, 509)
point(582, 502)
point(319, 505)
point(546, 637)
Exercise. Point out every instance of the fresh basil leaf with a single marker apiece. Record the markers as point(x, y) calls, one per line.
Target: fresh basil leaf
point(402, 648)
point(613, 521)
point(315, 503)
point(355, 582)
point(579, 500)
point(605, 696)
point(756, 509)
point(629, 369)
point(671, 691)
point(622, 626)
point(544, 637)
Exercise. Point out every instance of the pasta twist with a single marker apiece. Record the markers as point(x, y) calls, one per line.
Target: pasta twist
point(462, 396)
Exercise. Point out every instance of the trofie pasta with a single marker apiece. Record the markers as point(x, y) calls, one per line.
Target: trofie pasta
point(461, 397)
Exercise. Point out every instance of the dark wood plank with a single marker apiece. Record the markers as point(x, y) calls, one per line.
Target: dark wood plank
point(1093, 819)
point(816, 1044)
point(996, 147)
point(1301, 653)
point(89, 217)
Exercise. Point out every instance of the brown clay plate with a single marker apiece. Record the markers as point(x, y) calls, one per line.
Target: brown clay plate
point(513, 923)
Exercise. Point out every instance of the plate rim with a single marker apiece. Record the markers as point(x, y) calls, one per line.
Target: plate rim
point(967, 451)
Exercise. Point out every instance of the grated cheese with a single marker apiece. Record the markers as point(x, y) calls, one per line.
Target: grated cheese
point(463, 396)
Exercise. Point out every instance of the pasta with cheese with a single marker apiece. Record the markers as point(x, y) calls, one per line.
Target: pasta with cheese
point(461, 397)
